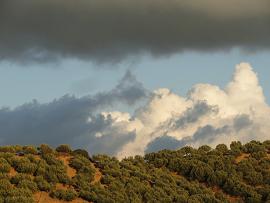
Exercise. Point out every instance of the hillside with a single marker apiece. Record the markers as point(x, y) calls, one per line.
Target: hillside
point(42, 174)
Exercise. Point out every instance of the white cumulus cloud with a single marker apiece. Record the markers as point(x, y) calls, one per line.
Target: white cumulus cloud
point(207, 115)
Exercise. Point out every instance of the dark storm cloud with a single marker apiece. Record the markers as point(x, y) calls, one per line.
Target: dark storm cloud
point(66, 120)
point(109, 31)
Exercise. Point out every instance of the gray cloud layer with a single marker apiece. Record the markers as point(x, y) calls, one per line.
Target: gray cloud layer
point(66, 120)
point(109, 31)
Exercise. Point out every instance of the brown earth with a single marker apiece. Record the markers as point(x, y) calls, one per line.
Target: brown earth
point(71, 172)
point(12, 172)
point(43, 197)
point(241, 157)
point(97, 176)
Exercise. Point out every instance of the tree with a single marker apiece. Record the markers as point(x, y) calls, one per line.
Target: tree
point(222, 148)
point(64, 148)
point(45, 149)
point(236, 148)
point(81, 152)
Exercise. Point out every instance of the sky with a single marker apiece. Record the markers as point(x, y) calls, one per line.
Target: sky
point(45, 82)
point(125, 78)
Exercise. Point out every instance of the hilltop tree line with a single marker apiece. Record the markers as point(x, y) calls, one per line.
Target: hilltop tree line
point(240, 173)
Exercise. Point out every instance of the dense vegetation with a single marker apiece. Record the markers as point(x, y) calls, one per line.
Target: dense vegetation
point(188, 175)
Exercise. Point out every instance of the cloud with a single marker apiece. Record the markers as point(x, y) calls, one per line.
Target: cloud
point(111, 31)
point(72, 120)
point(206, 115)
point(159, 143)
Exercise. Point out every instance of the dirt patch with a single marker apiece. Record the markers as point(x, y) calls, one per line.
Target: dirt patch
point(241, 157)
point(44, 197)
point(12, 172)
point(97, 176)
point(71, 172)
point(60, 186)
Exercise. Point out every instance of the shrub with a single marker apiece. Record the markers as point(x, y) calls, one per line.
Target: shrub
point(28, 184)
point(30, 150)
point(26, 167)
point(51, 176)
point(45, 149)
point(79, 161)
point(4, 166)
point(254, 146)
point(236, 148)
point(204, 148)
point(222, 148)
point(67, 195)
point(81, 152)
point(19, 199)
point(51, 159)
point(87, 195)
point(42, 184)
point(41, 168)
point(64, 148)
point(63, 178)
point(266, 144)
point(5, 185)
point(19, 177)
point(10, 149)
point(19, 195)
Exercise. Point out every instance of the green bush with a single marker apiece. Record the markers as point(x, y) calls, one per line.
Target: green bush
point(19, 177)
point(10, 149)
point(19, 199)
point(222, 148)
point(25, 166)
point(45, 149)
point(5, 184)
point(4, 166)
point(28, 184)
point(81, 152)
point(19, 195)
point(42, 184)
point(30, 150)
point(67, 195)
point(63, 148)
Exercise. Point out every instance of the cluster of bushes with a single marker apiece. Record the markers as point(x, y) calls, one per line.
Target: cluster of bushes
point(247, 178)
point(187, 175)
point(11, 194)
point(85, 174)
point(66, 195)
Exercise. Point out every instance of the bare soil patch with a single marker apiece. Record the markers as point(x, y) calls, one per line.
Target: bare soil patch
point(71, 172)
point(241, 157)
point(44, 197)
